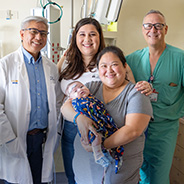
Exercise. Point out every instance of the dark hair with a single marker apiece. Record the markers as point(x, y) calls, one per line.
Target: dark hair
point(113, 49)
point(76, 66)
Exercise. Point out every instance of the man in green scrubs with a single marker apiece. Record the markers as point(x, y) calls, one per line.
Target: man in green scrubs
point(163, 66)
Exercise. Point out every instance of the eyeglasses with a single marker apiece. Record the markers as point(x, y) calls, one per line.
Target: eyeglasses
point(35, 31)
point(157, 26)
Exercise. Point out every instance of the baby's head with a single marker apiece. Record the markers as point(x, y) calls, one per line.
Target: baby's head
point(77, 90)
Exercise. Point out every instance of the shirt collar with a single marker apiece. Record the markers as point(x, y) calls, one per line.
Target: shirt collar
point(29, 58)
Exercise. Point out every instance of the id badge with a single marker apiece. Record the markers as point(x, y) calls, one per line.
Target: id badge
point(154, 96)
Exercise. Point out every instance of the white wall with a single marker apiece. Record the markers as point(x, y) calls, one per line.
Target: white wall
point(9, 29)
point(129, 36)
point(129, 25)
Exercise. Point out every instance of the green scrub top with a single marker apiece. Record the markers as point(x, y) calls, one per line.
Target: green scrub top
point(168, 80)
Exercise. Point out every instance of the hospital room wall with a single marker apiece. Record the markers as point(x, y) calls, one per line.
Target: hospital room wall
point(129, 33)
point(129, 36)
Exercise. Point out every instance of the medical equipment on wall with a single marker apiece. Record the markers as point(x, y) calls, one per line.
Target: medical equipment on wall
point(105, 11)
point(51, 3)
point(53, 13)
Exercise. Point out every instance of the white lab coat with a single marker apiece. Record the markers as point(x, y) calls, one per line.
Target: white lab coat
point(15, 109)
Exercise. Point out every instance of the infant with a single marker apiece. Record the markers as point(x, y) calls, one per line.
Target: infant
point(85, 103)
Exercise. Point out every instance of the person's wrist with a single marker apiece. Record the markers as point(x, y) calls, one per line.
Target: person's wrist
point(75, 118)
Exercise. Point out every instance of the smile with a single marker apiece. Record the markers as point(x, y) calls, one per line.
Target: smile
point(153, 35)
point(110, 75)
point(87, 45)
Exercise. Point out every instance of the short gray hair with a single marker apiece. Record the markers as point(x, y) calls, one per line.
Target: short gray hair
point(29, 19)
point(156, 12)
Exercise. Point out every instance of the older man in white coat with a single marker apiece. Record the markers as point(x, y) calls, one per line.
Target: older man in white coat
point(28, 108)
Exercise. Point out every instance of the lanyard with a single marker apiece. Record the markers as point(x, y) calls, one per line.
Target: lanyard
point(151, 79)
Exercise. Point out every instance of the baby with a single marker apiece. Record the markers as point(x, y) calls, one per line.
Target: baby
point(85, 103)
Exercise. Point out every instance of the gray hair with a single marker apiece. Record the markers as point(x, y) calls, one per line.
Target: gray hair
point(37, 19)
point(156, 12)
